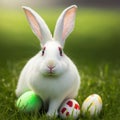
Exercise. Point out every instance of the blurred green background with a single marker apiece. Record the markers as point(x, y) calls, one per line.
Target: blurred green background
point(96, 33)
point(94, 46)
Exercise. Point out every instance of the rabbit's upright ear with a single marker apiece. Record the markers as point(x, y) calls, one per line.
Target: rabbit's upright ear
point(38, 25)
point(65, 24)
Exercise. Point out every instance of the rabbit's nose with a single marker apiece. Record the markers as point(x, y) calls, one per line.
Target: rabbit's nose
point(51, 64)
point(51, 68)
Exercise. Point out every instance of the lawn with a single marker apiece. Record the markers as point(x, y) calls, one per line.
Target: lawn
point(93, 46)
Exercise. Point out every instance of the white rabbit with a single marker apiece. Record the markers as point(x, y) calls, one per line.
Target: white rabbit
point(50, 73)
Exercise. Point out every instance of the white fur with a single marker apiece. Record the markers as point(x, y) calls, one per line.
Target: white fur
point(64, 81)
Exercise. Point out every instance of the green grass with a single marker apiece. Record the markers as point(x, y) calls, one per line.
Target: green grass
point(93, 46)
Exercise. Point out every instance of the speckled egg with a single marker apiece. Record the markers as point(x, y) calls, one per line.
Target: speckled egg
point(69, 108)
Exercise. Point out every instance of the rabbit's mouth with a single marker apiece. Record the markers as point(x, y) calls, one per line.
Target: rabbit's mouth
point(51, 70)
point(51, 74)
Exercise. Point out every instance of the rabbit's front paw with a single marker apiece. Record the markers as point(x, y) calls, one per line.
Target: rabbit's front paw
point(52, 114)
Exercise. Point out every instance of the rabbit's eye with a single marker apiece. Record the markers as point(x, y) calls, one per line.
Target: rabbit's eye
point(60, 50)
point(43, 51)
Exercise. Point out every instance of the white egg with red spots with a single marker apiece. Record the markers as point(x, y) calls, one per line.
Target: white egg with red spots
point(92, 105)
point(69, 108)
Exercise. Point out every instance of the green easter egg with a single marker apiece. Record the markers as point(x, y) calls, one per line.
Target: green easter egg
point(29, 102)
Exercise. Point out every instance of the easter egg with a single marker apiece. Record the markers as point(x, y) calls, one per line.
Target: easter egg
point(29, 102)
point(69, 108)
point(92, 105)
